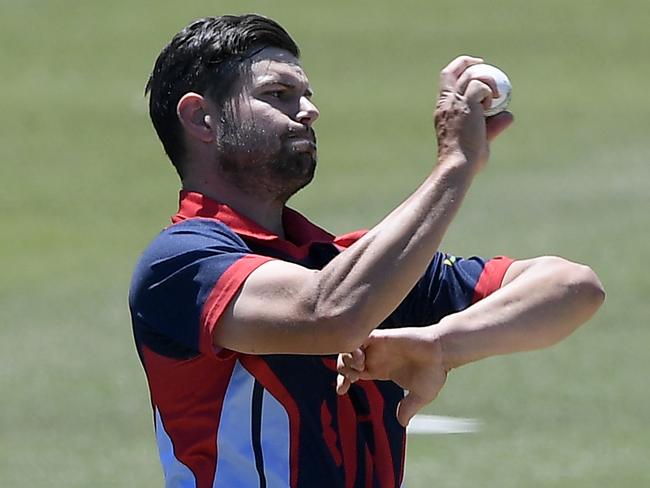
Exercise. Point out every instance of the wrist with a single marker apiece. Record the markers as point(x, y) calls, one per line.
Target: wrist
point(428, 347)
point(455, 163)
point(449, 182)
point(449, 337)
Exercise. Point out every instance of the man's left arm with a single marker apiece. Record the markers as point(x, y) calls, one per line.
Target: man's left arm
point(540, 302)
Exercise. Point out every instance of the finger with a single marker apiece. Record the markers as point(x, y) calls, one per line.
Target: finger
point(486, 103)
point(346, 369)
point(358, 359)
point(343, 360)
point(478, 92)
point(348, 361)
point(350, 374)
point(466, 77)
point(450, 73)
point(496, 124)
point(460, 64)
point(411, 404)
point(342, 384)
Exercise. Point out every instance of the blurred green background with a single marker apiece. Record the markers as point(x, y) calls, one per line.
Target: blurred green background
point(85, 186)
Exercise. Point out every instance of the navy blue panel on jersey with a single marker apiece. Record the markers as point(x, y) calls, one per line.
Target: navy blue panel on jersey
point(173, 279)
point(447, 286)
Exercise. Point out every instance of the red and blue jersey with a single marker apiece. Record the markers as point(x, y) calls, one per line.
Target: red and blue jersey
point(226, 419)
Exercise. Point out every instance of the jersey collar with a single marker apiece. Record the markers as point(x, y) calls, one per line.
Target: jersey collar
point(299, 231)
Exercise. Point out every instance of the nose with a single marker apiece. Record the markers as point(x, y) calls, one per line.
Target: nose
point(308, 112)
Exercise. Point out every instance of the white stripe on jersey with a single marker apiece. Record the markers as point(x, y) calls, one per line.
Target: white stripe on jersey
point(235, 456)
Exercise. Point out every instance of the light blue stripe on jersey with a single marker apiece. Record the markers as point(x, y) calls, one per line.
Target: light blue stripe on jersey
point(177, 475)
point(235, 456)
point(275, 442)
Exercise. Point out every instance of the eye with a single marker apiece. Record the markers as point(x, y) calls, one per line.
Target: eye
point(279, 94)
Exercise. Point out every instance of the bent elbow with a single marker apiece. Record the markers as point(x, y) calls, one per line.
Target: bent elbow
point(582, 289)
point(589, 286)
point(578, 284)
point(579, 294)
point(578, 279)
point(344, 327)
point(336, 324)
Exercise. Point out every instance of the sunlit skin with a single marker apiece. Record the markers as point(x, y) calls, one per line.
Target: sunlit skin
point(273, 152)
point(267, 151)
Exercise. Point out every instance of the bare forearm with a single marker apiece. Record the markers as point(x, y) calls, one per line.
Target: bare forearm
point(374, 275)
point(542, 306)
point(541, 301)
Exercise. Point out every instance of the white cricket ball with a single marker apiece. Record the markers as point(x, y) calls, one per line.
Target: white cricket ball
point(500, 103)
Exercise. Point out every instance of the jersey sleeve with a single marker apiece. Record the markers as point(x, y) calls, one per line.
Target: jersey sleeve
point(450, 284)
point(183, 283)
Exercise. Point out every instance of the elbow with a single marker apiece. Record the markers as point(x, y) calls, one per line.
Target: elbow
point(575, 293)
point(581, 284)
point(344, 314)
point(337, 323)
point(585, 283)
point(348, 342)
point(344, 326)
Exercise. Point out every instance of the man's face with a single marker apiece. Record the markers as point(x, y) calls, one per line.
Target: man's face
point(266, 145)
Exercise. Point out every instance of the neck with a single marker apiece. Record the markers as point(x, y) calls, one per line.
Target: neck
point(265, 212)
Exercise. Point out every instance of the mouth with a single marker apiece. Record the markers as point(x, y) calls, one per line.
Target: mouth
point(303, 141)
point(302, 144)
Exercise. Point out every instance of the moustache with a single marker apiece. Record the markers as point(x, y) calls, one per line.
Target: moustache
point(303, 133)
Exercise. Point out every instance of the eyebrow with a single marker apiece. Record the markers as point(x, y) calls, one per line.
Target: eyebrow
point(283, 82)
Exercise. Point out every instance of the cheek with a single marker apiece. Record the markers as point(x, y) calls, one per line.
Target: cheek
point(248, 133)
point(266, 115)
point(256, 126)
point(268, 129)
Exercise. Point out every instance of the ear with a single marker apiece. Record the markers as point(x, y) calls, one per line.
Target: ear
point(193, 112)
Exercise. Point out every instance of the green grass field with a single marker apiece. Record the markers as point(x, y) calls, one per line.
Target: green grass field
point(86, 186)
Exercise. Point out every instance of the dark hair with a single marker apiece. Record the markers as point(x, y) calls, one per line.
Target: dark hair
point(206, 57)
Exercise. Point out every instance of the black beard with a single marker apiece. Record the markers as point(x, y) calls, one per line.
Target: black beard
point(260, 164)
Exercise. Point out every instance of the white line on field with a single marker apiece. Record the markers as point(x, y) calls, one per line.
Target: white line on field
point(438, 424)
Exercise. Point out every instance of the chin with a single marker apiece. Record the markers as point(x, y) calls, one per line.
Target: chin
point(296, 175)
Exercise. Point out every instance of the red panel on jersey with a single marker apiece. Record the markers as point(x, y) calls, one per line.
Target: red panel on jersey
point(491, 278)
point(189, 397)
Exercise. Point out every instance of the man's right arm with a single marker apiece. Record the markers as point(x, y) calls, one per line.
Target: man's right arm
point(285, 308)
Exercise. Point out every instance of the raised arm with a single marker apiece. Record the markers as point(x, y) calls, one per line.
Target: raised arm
point(541, 302)
point(283, 307)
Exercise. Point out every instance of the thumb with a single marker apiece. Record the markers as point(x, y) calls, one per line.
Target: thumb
point(496, 124)
point(408, 407)
point(478, 92)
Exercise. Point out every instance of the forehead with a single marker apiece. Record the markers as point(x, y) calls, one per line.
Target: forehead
point(274, 64)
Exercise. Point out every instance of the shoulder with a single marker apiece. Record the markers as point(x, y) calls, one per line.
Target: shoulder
point(185, 244)
point(200, 231)
point(195, 234)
